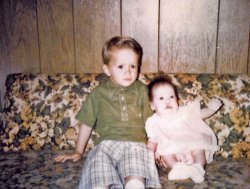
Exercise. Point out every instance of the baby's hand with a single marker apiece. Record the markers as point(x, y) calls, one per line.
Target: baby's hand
point(214, 104)
point(157, 158)
point(74, 157)
point(159, 161)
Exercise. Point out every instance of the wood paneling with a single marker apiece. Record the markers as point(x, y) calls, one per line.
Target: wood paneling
point(95, 22)
point(18, 39)
point(140, 21)
point(4, 68)
point(248, 70)
point(67, 36)
point(233, 36)
point(188, 35)
point(21, 36)
point(52, 36)
point(55, 22)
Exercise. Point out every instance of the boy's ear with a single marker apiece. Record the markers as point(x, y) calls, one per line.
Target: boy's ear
point(105, 69)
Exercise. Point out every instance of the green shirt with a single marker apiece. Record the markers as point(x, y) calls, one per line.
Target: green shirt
point(116, 112)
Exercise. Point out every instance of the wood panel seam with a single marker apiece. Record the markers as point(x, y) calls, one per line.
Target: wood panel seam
point(158, 45)
point(121, 17)
point(217, 33)
point(74, 43)
point(38, 38)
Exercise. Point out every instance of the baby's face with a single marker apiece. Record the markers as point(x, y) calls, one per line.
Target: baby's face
point(123, 67)
point(164, 100)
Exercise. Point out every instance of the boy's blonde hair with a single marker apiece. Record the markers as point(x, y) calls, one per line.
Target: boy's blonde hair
point(120, 42)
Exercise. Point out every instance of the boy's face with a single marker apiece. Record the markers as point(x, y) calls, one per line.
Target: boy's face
point(164, 100)
point(123, 67)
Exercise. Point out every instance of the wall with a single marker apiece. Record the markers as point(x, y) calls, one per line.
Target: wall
point(66, 36)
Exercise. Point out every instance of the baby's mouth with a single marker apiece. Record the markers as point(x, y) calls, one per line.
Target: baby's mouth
point(168, 107)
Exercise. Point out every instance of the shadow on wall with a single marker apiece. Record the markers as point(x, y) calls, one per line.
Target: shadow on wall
point(1, 100)
point(1, 112)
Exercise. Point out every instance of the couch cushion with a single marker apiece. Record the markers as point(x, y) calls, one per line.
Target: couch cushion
point(40, 109)
point(35, 169)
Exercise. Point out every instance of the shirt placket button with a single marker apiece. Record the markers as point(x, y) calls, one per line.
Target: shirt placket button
point(124, 112)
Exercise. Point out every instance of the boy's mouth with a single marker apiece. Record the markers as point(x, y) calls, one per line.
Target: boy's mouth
point(127, 79)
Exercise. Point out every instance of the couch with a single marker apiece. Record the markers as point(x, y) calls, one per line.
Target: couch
point(38, 123)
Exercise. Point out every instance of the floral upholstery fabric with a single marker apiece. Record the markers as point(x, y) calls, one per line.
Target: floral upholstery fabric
point(39, 110)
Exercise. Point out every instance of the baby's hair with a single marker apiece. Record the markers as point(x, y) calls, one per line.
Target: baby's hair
point(161, 80)
point(120, 42)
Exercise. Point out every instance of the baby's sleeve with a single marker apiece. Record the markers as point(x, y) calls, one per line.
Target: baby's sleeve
point(194, 108)
point(149, 127)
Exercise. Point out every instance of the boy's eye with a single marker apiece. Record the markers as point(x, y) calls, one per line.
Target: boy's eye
point(161, 98)
point(120, 66)
point(171, 97)
point(133, 66)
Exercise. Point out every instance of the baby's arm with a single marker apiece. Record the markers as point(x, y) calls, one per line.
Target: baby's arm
point(82, 140)
point(151, 145)
point(212, 107)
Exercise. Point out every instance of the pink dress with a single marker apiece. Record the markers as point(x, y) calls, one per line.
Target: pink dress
point(182, 132)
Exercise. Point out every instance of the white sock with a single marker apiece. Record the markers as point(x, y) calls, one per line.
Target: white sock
point(197, 172)
point(134, 184)
point(179, 171)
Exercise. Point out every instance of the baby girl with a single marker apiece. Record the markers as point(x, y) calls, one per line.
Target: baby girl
point(177, 134)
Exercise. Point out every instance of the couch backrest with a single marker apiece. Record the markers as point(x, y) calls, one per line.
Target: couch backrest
point(40, 109)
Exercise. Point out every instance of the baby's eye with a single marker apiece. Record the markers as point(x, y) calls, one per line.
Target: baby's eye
point(133, 66)
point(171, 97)
point(120, 66)
point(161, 98)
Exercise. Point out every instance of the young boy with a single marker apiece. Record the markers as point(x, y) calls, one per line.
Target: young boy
point(117, 109)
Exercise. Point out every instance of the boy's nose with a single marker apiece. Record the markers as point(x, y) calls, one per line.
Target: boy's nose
point(128, 71)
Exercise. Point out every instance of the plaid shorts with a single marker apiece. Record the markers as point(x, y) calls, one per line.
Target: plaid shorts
point(111, 161)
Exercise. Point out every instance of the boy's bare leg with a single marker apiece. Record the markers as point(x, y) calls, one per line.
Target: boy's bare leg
point(132, 182)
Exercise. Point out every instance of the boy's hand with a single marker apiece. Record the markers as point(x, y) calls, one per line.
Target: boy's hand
point(214, 104)
point(74, 157)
